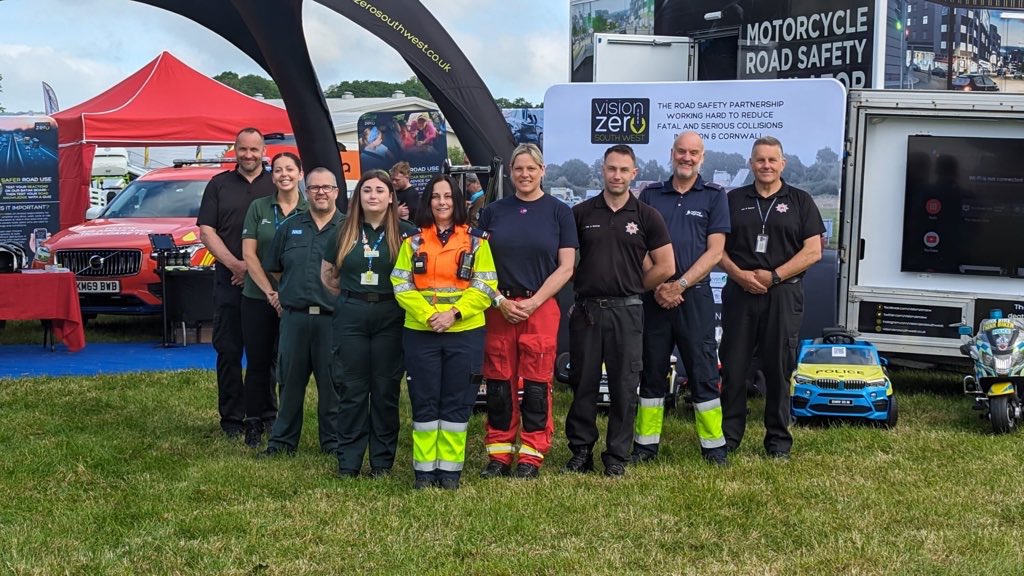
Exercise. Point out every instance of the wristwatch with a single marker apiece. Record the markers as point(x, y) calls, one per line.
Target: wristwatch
point(683, 283)
point(776, 279)
point(499, 300)
point(458, 314)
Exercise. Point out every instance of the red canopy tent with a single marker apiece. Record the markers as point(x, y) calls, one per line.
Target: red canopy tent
point(165, 103)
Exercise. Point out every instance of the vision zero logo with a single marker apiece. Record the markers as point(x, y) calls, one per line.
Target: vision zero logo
point(620, 120)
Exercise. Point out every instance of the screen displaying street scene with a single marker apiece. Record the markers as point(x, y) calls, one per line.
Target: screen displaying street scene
point(29, 191)
point(987, 48)
point(526, 125)
point(588, 17)
point(418, 137)
point(964, 207)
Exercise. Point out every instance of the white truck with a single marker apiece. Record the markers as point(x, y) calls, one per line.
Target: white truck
point(932, 216)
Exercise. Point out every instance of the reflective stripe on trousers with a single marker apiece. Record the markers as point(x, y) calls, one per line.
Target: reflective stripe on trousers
point(649, 416)
point(424, 445)
point(708, 416)
point(451, 446)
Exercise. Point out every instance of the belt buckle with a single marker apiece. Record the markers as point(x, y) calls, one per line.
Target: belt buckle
point(372, 297)
point(314, 310)
point(604, 303)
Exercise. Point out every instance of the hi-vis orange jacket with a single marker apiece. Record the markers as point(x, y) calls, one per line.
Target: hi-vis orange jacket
point(439, 288)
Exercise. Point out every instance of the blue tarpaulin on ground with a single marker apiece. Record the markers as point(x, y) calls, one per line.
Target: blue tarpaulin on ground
point(21, 361)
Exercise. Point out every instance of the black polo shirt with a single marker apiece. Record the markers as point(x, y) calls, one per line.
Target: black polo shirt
point(225, 203)
point(790, 217)
point(613, 246)
point(690, 217)
point(411, 198)
point(297, 253)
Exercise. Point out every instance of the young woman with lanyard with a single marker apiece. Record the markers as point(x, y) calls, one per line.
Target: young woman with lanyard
point(260, 308)
point(367, 366)
point(444, 278)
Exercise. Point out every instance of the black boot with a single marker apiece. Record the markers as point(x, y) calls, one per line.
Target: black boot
point(253, 433)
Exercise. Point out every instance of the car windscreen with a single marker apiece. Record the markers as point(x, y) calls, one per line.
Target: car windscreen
point(961, 81)
point(838, 355)
point(158, 199)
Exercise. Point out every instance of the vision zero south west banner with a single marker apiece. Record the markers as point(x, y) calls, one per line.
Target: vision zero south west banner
point(807, 115)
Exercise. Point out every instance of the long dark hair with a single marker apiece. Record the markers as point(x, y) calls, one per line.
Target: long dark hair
point(425, 216)
point(352, 229)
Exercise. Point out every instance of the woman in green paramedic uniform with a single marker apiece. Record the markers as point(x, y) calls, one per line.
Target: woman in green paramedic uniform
point(368, 361)
point(260, 308)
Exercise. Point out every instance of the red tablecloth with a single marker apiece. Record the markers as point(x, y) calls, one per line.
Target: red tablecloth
point(48, 296)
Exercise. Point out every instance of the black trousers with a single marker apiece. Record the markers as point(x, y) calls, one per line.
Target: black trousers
point(368, 359)
point(227, 341)
point(260, 328)
point(690, 327)
point(613, 336)
point(768, 324)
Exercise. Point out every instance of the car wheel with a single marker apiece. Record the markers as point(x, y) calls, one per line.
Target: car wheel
point(562, 368)
point(1003, 414)
point(894, 413)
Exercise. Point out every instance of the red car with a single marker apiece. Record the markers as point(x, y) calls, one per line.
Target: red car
point(111, 254)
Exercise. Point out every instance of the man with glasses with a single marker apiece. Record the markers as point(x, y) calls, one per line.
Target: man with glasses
point(306, 307)
point(221, 219)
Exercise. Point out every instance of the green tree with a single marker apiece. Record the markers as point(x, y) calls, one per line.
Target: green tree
point(519, 102)
point(250, 84)
point(456, 155)
point(378, 89)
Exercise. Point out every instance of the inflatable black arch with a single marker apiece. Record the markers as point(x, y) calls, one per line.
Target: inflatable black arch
point(270, 32)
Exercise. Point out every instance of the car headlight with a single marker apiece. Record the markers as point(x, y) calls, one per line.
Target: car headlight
point(881, 382)
point(801, 379)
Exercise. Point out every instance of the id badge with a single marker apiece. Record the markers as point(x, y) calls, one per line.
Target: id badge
point(369, 278)
point(762, 244)
point(367, 253)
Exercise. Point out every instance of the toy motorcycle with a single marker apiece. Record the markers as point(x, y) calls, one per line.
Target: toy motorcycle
point(998, 354)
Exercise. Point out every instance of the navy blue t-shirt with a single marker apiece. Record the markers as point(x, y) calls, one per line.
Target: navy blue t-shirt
point(525, 238)
point(690, 217)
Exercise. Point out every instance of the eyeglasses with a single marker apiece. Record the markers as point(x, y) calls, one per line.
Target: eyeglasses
point(325, 188)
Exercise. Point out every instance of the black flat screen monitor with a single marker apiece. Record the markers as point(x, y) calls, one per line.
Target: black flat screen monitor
point(964, 206)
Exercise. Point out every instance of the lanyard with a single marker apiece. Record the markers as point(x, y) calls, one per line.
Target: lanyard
point(277, 217)
point(366, 248)
point(764, 216)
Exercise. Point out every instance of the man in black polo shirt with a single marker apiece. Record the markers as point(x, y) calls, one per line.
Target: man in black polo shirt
point(305, 306)
point(406, 194)
point(681, 312)
point(775, 237)
point(616, 232)
point(221, 219)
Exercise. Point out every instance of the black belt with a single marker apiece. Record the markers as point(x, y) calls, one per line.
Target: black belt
point(311, 310)
point(612, 302)
point(517, 293)
point(369, 296)
point(793, 280)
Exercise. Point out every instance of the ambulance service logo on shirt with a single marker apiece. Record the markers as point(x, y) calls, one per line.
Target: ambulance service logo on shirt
point(632, 228)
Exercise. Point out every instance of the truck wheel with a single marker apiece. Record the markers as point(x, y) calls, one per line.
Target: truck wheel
point(1003, 414)
point(894, 413)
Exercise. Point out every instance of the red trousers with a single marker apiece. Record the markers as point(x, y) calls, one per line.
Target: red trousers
point(520, 359)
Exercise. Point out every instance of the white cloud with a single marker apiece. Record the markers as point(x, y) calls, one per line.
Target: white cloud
point(73, 78)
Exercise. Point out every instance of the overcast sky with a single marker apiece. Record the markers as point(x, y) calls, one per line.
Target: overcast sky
point(82, 47)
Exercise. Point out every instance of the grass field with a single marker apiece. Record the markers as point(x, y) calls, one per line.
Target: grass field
point(129, 475)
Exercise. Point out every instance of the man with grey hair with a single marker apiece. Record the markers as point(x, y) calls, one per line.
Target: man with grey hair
point(305, 307)
point(775, 238)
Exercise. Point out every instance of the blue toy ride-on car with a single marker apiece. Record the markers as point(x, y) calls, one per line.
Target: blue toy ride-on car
point(839, 376)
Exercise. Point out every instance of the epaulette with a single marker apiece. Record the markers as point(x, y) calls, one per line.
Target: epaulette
point(410, 233)
point(479, 233)
point(714, 186)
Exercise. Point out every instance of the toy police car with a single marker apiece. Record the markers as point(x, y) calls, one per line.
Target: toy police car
point(839, 376)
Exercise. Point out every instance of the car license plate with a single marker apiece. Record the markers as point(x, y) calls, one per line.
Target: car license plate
point(840, 402)
point(99, 286)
